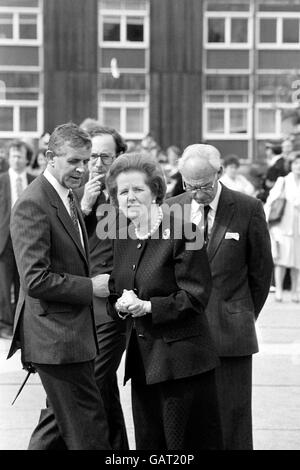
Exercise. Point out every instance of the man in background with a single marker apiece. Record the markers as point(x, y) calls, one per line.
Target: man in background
point(107, 145)
point(12, 184)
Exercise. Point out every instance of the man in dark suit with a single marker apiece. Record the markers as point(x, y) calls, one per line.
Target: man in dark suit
point(239, 253)
point(54, 324)
point(107, 145)
point(12, 183)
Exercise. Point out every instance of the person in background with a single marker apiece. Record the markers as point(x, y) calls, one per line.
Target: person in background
point(39, 163)
point(273, 154)
point(3, 161)
point(12, 184)
point(107, 145)
point(239, 253)
point(282, 165)
point(232, 179)
point(89, 125)
point(285, 235)
point(174, 180)
point(131, 146)
point(161, 287)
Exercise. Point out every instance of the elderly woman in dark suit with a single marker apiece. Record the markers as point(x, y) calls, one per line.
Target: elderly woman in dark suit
point(161, 287)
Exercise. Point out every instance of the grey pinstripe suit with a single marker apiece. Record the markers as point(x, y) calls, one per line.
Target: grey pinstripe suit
point(54, 323)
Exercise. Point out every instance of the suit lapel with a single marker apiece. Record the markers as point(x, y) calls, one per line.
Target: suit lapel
point(223, 217)
point(8, 191)
point(64, 217)
point(94, 240)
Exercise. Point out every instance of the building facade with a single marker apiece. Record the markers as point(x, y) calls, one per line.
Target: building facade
point(224, 72)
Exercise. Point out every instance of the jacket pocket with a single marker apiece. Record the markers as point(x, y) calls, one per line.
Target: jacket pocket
point(177, 334)
point(57, 307)
point(239, 305)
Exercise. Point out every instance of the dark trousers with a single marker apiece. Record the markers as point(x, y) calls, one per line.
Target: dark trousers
point(111, 341)
point(75, 417)
point(8, 277)
point(234, 385)
point(179, 414)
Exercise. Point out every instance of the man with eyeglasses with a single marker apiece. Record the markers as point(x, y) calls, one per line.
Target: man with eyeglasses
point(238, 246)
point(107, 145)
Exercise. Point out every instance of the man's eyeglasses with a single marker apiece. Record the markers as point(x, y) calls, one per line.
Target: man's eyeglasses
point(105, 158)
point(207, 188)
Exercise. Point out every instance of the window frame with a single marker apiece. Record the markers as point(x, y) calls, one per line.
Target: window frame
point(123, 14)
point(227, 107)
point(123, 105)
point(16, 131)
point(278, 108)
point(279, 17)
point(16, 40)
point(227, 16)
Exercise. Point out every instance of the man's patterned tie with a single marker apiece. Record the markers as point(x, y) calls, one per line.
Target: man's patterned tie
point(19, 186)
point(73, 211)
point(206, 211)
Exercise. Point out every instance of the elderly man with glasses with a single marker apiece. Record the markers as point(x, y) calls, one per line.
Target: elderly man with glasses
point(238, 247)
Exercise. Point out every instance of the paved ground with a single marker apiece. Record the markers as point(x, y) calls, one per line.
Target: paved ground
point(276, 390)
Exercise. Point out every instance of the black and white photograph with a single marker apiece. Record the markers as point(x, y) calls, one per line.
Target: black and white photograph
point(150, 227)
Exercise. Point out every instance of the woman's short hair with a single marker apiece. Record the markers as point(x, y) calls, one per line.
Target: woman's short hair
point(137, 162)
point(231, 160)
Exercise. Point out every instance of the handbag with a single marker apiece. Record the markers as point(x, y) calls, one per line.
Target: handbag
point(277, 207)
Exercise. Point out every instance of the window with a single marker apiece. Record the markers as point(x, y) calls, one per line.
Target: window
point(6, 118)
point(111, 29)
point(216, 30)
point(290, 31)
point(135, 29)
point(239, 30)
point(19, 27)
point(21, 108)
point(123, 29)
point(6, 26)
point(268, 30)
point(227, 115)
point(270, 119)
point(128, 113)
point(279, 31)
point(225, 29)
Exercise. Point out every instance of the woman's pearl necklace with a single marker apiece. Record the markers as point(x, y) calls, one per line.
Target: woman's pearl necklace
point(153, 229)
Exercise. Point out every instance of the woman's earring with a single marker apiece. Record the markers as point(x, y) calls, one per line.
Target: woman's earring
point(153, 201)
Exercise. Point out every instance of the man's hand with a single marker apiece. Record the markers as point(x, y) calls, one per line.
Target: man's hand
point(100, 285)
point(92, 189)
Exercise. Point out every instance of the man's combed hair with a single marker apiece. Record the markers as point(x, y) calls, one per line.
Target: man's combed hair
point(136, 162)
point(70, 134)
point(121, 145)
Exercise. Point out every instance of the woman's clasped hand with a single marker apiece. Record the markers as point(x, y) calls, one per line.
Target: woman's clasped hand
point(130, 304)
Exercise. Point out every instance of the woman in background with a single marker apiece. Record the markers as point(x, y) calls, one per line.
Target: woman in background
point(285, 235)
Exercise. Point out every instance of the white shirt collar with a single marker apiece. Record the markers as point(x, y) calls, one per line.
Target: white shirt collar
point(61, 190)
point(214, 203)
point(14, 175)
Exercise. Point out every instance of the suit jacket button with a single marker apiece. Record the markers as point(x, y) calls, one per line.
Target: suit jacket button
point(141, 336)
point(139, 245)
point(133, 267)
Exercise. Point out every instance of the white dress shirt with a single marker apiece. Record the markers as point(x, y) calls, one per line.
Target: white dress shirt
point(63, 194)
point(197, 211)
point(13, 176)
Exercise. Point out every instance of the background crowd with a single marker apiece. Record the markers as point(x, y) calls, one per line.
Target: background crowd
point(280, 181)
